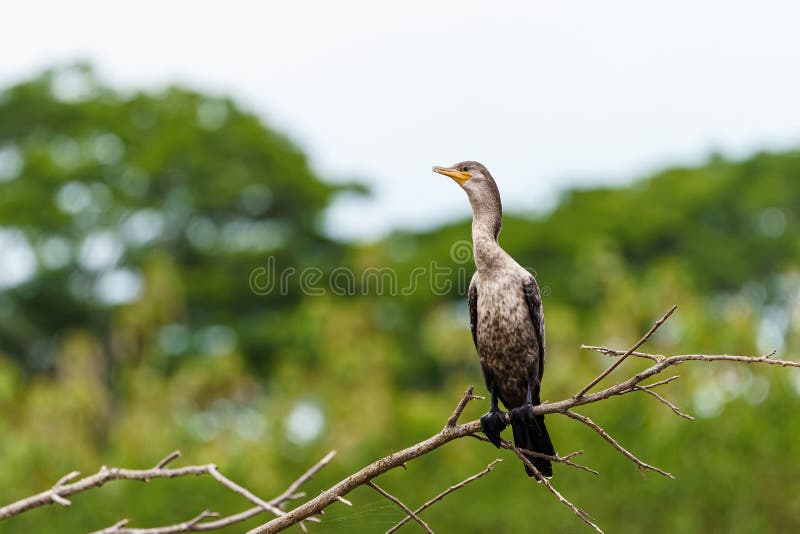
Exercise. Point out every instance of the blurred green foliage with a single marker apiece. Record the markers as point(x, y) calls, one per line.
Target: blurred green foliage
point(139, 234)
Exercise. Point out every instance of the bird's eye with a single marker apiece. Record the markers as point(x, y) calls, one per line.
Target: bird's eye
point(464, 168)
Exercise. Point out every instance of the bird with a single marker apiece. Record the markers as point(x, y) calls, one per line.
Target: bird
point(507, 322)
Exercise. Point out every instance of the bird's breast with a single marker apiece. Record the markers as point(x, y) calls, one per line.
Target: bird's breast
point(506, 339)
point(504, 324)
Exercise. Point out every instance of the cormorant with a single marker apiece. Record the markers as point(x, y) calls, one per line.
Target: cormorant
point(506, 319)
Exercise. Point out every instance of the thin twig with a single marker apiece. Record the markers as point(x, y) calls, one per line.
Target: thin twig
point(186, 526)
point(638, 344)
point(585, 517)
point(607, 352)
point(344, 501)
point(597, 428)
point(680, 358)
point(446, 492)
point(66, 478)
point(566, 460)
point(660, 382)
point(402, 506)
point(250, 496)
point(167, 459)
point(627, 385)
point(670, 405)
point(468, 396)
point(302, 479)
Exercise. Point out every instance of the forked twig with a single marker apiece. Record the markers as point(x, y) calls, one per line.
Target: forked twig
point(643, 466)
point(638, 344)
point(446, 492)
point(585, 517)
point(402, 506)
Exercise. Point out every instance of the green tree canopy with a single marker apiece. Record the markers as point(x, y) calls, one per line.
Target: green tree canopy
point(108, 197)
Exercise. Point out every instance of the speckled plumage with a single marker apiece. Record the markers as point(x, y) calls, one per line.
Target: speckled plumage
point(507, 339)
point(506, 320)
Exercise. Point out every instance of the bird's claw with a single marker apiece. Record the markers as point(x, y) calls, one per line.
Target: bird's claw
point(492, 424)
point(522, 416)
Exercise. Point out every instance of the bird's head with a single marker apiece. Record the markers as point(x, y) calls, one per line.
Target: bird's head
point(481, 189)
point(470, 175)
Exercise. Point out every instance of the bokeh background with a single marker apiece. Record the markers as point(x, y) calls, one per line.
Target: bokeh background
point(161, 165)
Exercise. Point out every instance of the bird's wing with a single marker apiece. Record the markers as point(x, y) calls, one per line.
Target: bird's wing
point(472, 304)
point(534, 300)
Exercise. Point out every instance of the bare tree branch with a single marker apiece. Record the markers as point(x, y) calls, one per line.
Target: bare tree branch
point(446, 492)
point(585, 517)
point(468, 396)
point(371, 471)
point(61, 489)
point(680, 358)
point(186, 526)
point(661, 382)
point(640, 464)
point(233, 486)
point(638, 344)
point(307, 511)
point(302, 479)
point(663, 400)
point(613, 353)
point(453, 431)
point(195, 524)
point(567, 460)
point(400, 503)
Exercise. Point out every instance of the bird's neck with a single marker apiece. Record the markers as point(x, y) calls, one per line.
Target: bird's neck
point(485, 248)
point(487, 215)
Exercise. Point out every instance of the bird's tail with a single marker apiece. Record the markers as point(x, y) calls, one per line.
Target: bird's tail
point(534, 437)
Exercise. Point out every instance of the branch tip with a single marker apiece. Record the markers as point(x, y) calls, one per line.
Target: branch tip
point(465, 398)
point(617, 363)
point(66, 478)
point(343, 500)
point(167, 459)
point(60, 500)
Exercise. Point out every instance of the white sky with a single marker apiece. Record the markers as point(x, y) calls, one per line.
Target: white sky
point(546, 94)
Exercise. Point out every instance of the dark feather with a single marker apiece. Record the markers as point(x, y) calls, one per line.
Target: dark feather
point(472, 306)
point(534, 300)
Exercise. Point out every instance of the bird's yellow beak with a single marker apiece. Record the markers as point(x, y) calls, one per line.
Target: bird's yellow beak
point(460, 177)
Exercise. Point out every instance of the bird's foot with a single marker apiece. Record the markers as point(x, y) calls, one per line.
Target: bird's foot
point(522, 416)
point(492, 424)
